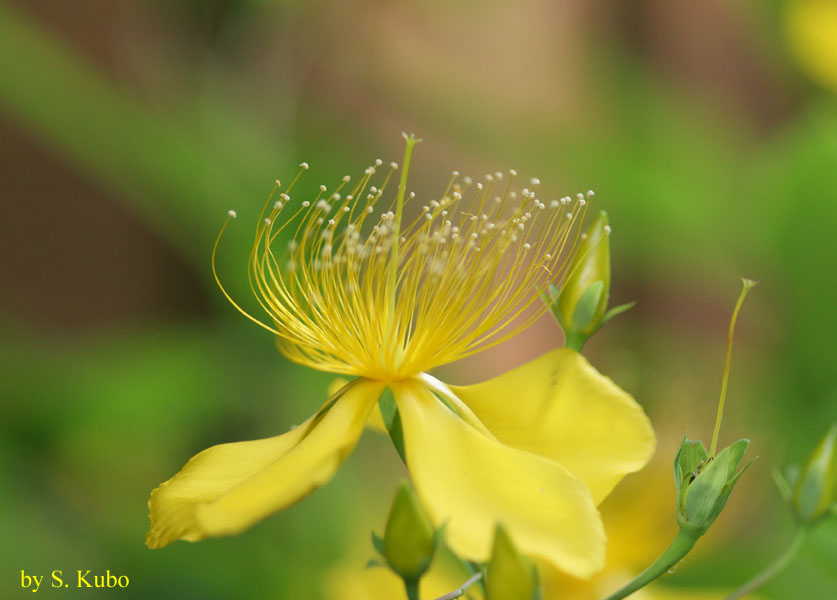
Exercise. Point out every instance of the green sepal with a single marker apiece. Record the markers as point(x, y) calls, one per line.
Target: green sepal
point(782, 485)
point(585, 308)
point(687, 462)
point(792, 473)
point(410, 541)
point(816, 489)
point(378, 543)
point(392, 420)
point(386, 404)
point(509, 575)
point(617, 310)
point(705, 483)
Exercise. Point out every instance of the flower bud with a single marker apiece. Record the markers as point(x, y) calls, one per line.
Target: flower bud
point(583, 299)
point(815, 491)
point(581, 305)
point(509, 575)
point(409, 540)
point(705, 483)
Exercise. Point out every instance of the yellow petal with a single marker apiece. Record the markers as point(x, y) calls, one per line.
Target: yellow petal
point(226, 488)
point(376, 421)
point(470, 481)
point(560, 407)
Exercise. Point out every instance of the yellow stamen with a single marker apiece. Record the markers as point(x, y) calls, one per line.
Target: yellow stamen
point(369, 294)
point(748, 284)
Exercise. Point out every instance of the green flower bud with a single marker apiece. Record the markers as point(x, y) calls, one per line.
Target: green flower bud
point(581, 304)
point(509, 575)
point(815, 490)
point(584, 296)
point(704, 483)
point(409, 540)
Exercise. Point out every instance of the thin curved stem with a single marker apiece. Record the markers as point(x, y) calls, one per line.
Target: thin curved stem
point(673, 554)
point(774, 568)
point(458, 592)
point(748, 285)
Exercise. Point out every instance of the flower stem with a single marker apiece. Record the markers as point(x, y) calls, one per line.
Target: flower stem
point(460, 591)
point(412, 587)
point(674, 553)
point(774, 569)
point(574, 341)
point(748, 284)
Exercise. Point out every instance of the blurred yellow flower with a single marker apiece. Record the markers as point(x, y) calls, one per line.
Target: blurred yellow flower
point(358, 293)
point(811, 30)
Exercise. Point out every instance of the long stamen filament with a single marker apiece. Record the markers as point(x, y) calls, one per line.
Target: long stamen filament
point(748, 284)
point(396, 237)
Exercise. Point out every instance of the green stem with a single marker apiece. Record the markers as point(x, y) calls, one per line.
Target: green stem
point(748, 284)
point(460, 591)
point(574, 341)
point(674, 553)
point(774, 569)
point(412, 587)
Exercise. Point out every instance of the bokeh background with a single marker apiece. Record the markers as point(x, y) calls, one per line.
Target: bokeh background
point(128, 128)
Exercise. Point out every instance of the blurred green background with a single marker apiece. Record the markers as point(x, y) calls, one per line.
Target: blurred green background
point(129, 127)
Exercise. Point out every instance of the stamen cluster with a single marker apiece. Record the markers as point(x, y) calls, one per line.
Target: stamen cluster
point(358, 292)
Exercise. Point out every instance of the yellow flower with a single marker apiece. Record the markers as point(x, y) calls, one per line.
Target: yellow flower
point(359, 293)
point(810, 27)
